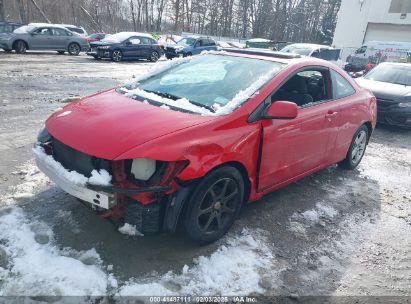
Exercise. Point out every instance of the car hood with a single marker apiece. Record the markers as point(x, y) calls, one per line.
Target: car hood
point(108, 124)
point(102, 43)
point(386, 90)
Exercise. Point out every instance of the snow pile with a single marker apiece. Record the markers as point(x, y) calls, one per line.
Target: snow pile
point(35, 267)
point(299, 222)
point(182, 103)
point(130, 230)
point(234, 269)
point(102, 178)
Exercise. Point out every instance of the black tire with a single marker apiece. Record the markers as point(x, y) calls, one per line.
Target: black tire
point(117, 56)
point(357, 149)
point(154, 56)
point(188, 55)
point(8, 51)
point(60, 52)
point(214, 205)
point(20, 46)
point(74, 49)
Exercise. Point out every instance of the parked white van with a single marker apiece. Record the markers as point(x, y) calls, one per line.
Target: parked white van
point(374, 52)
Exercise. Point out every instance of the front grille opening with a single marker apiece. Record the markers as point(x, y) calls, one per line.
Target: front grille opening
point(74, 160)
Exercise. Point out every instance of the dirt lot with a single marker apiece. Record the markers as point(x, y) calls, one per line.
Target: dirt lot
point(334, 233)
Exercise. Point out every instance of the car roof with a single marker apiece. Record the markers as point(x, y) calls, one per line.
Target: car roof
point(285, 58)
point(311, 45)
point(46, 25)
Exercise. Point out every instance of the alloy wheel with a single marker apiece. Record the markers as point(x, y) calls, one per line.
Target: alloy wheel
point(21, 47)
point(218, 206)
point(74, 49)
point(117, 56)
point(360, 143)
point(154, 57)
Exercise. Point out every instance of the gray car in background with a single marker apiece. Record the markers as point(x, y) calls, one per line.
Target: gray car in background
point(43, 37)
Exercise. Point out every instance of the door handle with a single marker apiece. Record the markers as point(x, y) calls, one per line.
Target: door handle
point(331, 114)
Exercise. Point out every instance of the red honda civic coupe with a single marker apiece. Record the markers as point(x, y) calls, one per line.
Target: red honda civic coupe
point(194, 139)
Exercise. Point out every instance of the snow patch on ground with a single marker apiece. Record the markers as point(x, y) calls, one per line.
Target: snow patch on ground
point(234, 269)
point(130, 230)
point(300, 222)
point(35, 267)
point(101, 178)
point(31, 178)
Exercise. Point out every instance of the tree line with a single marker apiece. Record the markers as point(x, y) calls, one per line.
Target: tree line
point(280, 20)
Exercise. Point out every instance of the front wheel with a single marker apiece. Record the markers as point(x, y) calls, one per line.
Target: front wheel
point(356, 150)
point(117, 56)
point(74, 49)
point(20, 47)
point(214, 205)
point(154, 56)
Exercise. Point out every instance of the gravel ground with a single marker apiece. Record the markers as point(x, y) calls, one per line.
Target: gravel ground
point(336, 233)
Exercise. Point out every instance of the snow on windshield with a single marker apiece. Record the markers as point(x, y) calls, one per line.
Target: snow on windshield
point(214, 85)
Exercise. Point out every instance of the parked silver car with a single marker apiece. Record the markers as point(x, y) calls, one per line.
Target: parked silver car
point(43, 37)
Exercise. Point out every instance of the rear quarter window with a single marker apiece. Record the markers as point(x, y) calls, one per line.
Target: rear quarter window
point(341, 87)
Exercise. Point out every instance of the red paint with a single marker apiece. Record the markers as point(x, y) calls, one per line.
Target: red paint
point(111, 126)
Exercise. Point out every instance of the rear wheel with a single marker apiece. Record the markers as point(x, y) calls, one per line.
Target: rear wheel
point(214, 205)
point(154, 56)
point(117, 56)
point(356, 150)
point(20, 47)
point(74, 49)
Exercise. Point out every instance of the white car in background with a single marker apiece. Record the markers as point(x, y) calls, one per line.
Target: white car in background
point(76, 29)
point(321, 51)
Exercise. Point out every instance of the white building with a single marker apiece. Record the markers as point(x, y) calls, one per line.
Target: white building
point(360, 21)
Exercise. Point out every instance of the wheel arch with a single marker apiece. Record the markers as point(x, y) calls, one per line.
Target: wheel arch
point(19, 39)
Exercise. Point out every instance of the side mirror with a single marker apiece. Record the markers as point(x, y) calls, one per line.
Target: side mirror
point(281, 110)
point(33, 33)
point(128, 43)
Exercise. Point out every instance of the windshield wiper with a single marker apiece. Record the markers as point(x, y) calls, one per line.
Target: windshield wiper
point(175, 97)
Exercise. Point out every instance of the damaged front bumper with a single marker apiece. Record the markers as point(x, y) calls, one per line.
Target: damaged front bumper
point(101, 199)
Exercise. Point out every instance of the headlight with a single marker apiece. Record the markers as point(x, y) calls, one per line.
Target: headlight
point(405, 105)
point(106, 47)
point(43, 136)
point(143, 168)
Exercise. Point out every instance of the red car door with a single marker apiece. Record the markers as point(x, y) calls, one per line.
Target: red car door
point(292, 148)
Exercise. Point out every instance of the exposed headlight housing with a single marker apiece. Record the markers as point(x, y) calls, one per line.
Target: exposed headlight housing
point(143, 168)
point(43, 136)
point(405, 105)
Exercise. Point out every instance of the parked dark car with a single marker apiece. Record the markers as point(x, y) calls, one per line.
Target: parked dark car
point(190, 46)
point(126, 45)
point(95, 37)
point(9, 27)
point(391, 84)
point(43, 37)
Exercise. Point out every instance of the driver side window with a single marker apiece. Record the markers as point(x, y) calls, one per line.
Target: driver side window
point(43, 31)
point(305, 88)
point(134, 40)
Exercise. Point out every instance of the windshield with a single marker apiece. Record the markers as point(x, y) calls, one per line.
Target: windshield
point(397, 74)
point(24, 29)
point(117, 38)
point(214, 84)
point(187, 41)
point(303, 51)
